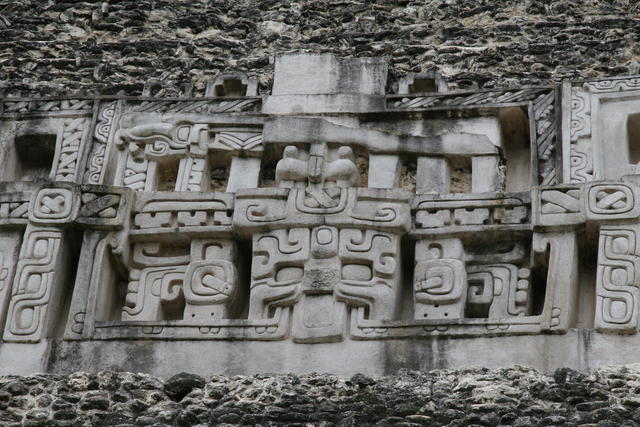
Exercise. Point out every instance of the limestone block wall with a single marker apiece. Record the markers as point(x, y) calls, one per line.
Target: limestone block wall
point(507, 397)
point(108, 46)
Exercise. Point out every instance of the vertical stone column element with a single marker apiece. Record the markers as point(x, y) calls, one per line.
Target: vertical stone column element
point(43, 266)
point(485, 174)
point(245, 145)
point(192, 174)
point(433, 175)
point(440, 279)
point(9, 246)
point(69, 151)
point(559, 251)
point(319, 316)
point(93, 299)
point(244, 173)
point(211, 289)
point(104, 213)
point(100, 168)
point(618, 276)
point(384, 171)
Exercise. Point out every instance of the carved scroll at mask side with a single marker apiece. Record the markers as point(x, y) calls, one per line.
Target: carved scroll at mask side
point(370, 271)
point(194, 285)
point(175, 154)
point(148, 149)
point(9, 248)
point(36, 289)
point(498, 291)
point(579, 158)
point(440, 279)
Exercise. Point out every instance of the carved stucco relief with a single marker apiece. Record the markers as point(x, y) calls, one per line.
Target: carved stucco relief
point(222, 218)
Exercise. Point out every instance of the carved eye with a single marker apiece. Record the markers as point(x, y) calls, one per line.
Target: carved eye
point(289, 273)
point(357, 272)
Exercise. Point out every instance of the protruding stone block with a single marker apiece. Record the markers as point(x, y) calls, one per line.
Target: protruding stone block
point(321, 74)
point(316, 83)
point(486, 176)
point(384, 171)
point(433, 175)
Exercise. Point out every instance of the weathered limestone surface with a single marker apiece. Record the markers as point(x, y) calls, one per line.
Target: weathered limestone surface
point(333, 219)
point(409, 203)
point(105, 47)
point(508, 397)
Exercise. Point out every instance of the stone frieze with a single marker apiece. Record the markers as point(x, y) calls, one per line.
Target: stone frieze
point(321, 214)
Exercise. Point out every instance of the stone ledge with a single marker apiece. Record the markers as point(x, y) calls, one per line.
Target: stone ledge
point(581, 349)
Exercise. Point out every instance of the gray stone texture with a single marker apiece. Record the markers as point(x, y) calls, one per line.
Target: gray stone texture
point(361, 216)
point(105, 47)
point(515, 396)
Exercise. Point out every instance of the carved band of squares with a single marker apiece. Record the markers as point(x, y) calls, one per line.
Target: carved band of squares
point(53, 205)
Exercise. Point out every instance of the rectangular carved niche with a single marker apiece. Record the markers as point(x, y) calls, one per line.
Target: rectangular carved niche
point(27, 149)
point(35, 155)
point(516, 150)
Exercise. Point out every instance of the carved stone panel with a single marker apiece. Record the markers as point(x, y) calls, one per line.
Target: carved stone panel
point(349, 214)
point(37, 286)
point(320, 272)
point(617, 279)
